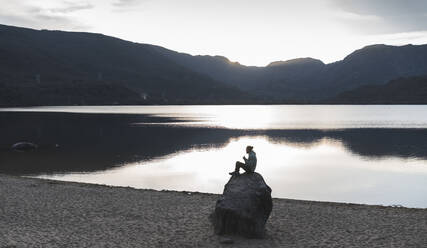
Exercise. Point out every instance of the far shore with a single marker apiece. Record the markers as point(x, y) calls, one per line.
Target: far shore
point(47, 213)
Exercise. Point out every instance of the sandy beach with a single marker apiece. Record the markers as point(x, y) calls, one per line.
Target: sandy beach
point(44, 213)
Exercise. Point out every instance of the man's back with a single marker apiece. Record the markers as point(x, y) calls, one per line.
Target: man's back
point(251, 162)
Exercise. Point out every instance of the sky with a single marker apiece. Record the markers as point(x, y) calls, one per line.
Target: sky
point(251, 32)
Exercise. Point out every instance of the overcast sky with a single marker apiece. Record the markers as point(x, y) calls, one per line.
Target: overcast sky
point(252, 32)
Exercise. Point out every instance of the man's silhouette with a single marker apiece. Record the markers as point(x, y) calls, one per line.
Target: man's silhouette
point(250, 162)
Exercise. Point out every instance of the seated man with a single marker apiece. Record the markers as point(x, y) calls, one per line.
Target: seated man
point(250, 162)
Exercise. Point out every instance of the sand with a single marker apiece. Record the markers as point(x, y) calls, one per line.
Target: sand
point(45, 213)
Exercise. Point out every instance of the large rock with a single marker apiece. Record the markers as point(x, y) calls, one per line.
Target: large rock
point(244, 207)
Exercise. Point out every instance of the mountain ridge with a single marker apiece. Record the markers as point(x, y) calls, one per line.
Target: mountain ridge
point(32, 60)
point(373, 64)
point(409, 90)
point(44, 61)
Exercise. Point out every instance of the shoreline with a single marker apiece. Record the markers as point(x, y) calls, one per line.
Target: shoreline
point(215, 194)
point(50, 213)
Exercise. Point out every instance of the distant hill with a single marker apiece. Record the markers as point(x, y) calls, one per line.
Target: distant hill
point(54, 67)
point(412, 90)
point(68, 68)
point(310, 80)
point(278, 82)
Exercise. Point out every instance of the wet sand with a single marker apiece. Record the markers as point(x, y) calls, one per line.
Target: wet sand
point(45, 213)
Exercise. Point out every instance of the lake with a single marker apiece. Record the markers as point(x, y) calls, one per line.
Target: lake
point(372, 154)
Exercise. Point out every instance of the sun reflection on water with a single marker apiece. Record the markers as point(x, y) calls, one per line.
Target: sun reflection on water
point(267, 116)
point(325, 171)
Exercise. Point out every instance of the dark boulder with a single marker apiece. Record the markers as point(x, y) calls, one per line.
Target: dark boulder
point(24, 146)
point(244, 207)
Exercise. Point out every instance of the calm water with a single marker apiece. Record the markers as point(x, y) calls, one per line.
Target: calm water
point(360, 154)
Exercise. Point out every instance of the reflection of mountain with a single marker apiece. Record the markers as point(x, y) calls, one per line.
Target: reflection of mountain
point(404, 143)
point(91, 142)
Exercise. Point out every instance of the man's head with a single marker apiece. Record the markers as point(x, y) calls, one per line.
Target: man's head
point(249, 149)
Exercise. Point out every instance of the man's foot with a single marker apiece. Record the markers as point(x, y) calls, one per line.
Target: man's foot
point(234, 173)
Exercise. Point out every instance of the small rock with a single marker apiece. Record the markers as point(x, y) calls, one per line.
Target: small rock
point(226, 241)
point(24, 146)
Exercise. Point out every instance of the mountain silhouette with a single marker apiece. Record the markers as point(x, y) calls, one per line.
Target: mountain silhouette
point(67, 68)
point(411, 90)
point(55, 67)
point(310, 80)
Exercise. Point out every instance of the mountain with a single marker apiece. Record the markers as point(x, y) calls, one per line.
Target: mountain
point(310, 80)
point(55, 67)
point(376, 65)
point(277, 82)
point(411, 90)
point(65, 68)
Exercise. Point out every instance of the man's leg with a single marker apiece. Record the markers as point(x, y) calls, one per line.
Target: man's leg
point(238, 166)
point(247, 168)
point(236, 170)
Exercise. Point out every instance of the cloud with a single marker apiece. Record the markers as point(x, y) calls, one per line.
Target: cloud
point(39, 17)
point(64, 8)
point(415, 38)
point(356, 17)
point(391, 16)
point(72, 7)
point(384, 7)
point(124, 3)
point(41, 21)
point(127, 5)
